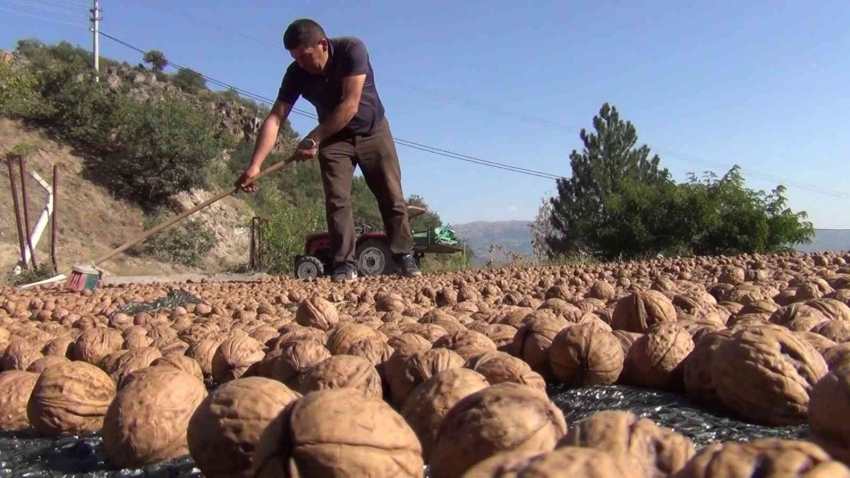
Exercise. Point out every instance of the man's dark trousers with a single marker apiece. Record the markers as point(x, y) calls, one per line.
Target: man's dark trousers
point(378, 160)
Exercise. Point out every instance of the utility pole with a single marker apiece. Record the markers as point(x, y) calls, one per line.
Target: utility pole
point(95, 19)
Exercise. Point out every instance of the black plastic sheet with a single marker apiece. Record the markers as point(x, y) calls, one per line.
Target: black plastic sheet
point(26, 455)
point(175, 298)
point(693, 420)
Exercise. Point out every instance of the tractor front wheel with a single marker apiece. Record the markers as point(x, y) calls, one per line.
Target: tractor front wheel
point(374, 258)
point(308, 267)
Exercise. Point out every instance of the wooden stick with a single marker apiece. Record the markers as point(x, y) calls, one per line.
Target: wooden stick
point(218, 196)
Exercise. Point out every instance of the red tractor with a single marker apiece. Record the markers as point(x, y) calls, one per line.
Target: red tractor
point(372, 251)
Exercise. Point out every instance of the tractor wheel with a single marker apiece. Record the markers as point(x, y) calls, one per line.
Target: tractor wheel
point(307, 267)
point(374, 258)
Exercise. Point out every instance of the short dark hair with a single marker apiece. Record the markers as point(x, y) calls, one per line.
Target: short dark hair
point(304, 32)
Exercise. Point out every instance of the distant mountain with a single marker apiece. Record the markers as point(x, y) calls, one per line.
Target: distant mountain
point(826, 240)
point(515, 236)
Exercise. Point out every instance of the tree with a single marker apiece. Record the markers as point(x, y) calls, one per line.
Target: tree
point(609, 157)
point(156, 59)
point(189, 80)
point(426, 221)
point(541, 229)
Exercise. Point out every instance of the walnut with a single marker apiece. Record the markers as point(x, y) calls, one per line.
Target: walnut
point(765, 374)
point(342, 371)
point(146, 423)
point(317, 312)
point(70, 398)
point(426, 407)
point(307, 437)
point(640, 310)
point(17, 386)
point(498, 367)
point(656, 359)
point(226, 427)
point(503, 417)
point(656, 451)
point(586, 354)
point(765, 457)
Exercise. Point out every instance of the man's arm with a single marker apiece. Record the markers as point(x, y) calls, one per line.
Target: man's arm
point(267, 136)
point(352, 87)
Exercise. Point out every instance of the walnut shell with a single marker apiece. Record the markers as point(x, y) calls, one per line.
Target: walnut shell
point(19, 354)
point(657, 451)
point(830, 398)
point(564, 461)
point(641, 310)
point(466, 343)
point(405, 372)
point(39, 365)
point(697, 367)
point(586, 354)
point(837, 356)
point(295, 359)
point(763, 458)
point(317, 312)
point(408, 343)
point(431, 400)
point(342, 337)
point(95, 343)
point(17, 386)
point(765, 374)
point(342, 371)
point(146, 423)
point(339, 432)
point(180, 362)
point(234, 356)
point(131, 361)
point(225, 428)
point(498, 367)
point(502, 417)
point(70, 398)
point(656, 359)
point(533, 340)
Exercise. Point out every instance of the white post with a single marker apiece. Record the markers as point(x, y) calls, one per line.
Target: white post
point(42, 220)
point(96, 18)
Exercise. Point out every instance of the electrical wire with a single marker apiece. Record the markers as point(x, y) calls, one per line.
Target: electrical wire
point(42, 17)
point(47, 8)
point(399, 141)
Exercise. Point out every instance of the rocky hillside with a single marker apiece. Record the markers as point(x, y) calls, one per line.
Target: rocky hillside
point(92, 220)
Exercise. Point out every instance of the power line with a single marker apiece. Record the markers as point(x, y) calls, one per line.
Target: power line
point(47, 8)
point(402, 142)
point(42, 17)
point(557, 125)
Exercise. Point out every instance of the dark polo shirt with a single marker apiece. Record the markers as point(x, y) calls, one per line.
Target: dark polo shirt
point(348, 56)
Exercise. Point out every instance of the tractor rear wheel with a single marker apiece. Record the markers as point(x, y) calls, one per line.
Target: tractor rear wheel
point(375, 258)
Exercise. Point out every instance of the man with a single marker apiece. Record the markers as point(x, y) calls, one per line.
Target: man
point(335, 76)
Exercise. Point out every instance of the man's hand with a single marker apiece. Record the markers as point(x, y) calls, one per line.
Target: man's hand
point(307, 149)
point(246, 177)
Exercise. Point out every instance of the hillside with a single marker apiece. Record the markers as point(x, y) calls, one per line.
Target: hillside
point(828, 240)
point(514, 236)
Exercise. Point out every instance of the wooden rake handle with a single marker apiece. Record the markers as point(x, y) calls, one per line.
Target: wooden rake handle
point(183, 215)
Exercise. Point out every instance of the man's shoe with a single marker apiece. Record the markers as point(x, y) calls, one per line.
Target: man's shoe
point(408, 267)
point(344, 272)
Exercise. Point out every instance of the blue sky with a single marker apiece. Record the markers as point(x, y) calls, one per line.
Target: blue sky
point(707, 84)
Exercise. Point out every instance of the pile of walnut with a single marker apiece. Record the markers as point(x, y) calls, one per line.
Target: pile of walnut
point(383, 376)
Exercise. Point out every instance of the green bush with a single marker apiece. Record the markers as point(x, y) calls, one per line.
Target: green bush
point(185, 243)
point(18, 90)
point(285, 231)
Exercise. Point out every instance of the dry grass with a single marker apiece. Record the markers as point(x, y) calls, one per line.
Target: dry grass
point(91, 222)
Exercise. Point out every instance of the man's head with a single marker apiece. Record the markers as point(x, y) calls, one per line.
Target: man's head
point(307, 43)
